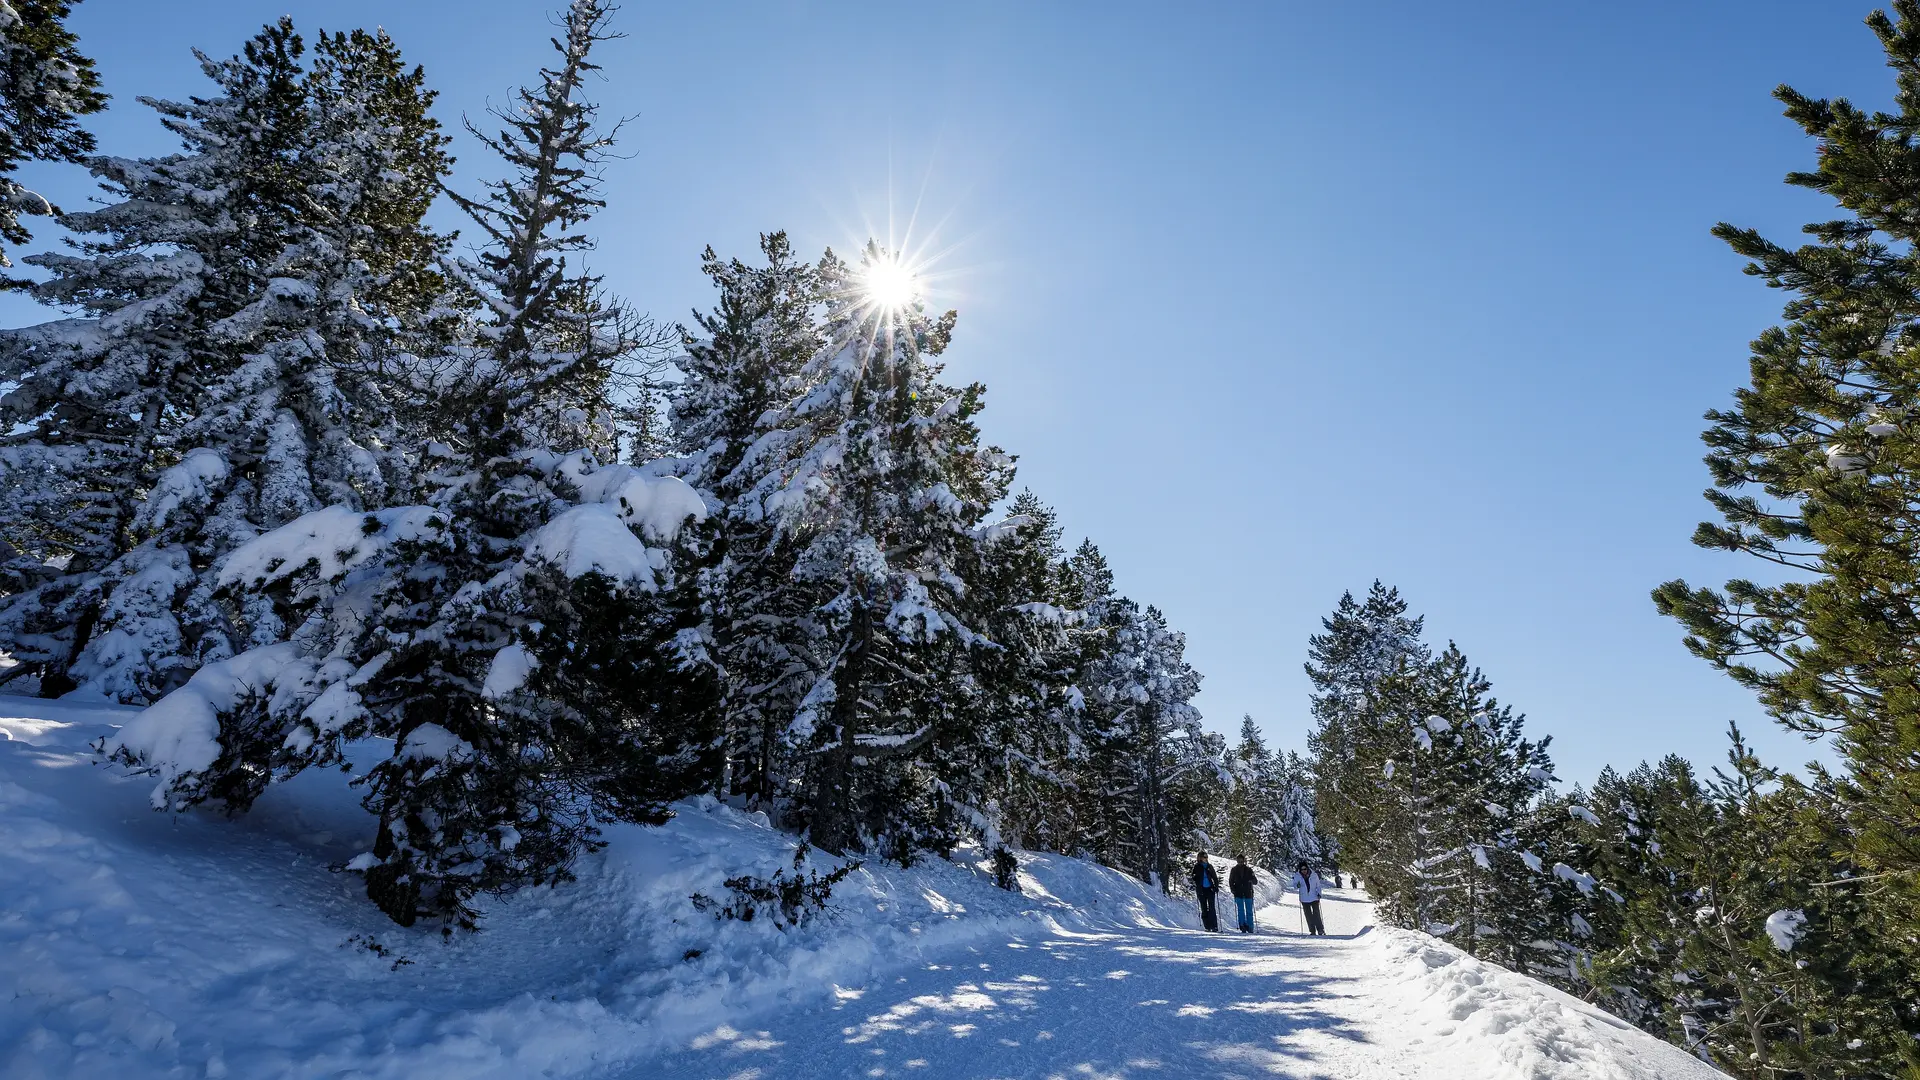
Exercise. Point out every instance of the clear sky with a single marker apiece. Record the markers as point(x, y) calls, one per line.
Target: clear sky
point(1271, 299)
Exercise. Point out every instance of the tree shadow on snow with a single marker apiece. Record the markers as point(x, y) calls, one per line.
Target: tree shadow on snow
point(1125, 1004)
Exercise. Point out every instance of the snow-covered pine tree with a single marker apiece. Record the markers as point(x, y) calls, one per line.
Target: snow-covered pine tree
point(1631, 972)
point(277, 408)
point(1155, 771)
point(1254, 798)
point(725, 412)
point(46, 85)
point(1296, 837)
point(95, 469)
point(308, 419)
point(1087, 585)
point(535, 666)
point(882, 486)
point(522, 637)
point(1013, 754)
point(1498, 874)
point(1739, 933)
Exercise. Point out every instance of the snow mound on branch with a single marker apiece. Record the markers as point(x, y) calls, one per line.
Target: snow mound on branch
point(1785, 927)
point(187, 484)
point(431, 742)
point(593, 539)
point(180, 734)
point(1584, 882)
point(508, 672)
point(658, 504)
point(332, 540)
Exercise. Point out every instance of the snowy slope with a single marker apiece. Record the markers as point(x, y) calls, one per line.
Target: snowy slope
point(136, 944)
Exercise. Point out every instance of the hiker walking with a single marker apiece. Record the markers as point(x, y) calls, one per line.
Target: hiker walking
point(1309, 884)
point(1240, 883)
point(1206, 882)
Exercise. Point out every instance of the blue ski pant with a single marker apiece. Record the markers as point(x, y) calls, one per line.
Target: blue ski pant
point(1243, 906)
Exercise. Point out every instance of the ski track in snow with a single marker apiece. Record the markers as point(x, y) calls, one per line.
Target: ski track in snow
point(136, 944)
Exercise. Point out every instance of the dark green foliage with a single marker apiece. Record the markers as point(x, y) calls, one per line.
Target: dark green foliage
point(46, 85)
point(1816, 469)
point(1006, 869)
point(1429, 791)
point(787, 899)
point(763, 330)
point(1703, 866)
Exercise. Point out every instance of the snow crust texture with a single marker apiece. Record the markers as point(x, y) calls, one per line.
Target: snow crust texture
point(135, 944)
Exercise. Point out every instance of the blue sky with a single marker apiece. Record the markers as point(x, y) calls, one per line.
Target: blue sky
point(1271, 299)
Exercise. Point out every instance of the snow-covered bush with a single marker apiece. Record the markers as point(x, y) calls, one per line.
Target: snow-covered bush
point(789, 898)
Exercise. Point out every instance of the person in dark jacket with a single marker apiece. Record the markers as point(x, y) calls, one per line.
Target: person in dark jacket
point(1206, 882)
point(1240, 883)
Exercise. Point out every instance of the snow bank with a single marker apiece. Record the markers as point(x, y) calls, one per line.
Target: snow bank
point(142, 945)
point(1481, 1020)
point(136, 945)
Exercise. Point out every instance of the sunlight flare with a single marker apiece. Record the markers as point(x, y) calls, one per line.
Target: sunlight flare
point(889, 283)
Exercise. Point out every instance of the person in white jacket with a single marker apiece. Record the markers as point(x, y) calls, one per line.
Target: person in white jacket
point(1308, 883)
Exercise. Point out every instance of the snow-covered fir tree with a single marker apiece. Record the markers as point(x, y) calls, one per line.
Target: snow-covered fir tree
point(1154, 773)
point(763, 331)
point(522, 635)
point(1253, 812)
point(1738, 935)
point(1013, 750)
point(1430, 791)
point(307, 418)
point(46, 85)
point(1296, 838)
point(1270, 806)
point(102, 473)
point(881, 485)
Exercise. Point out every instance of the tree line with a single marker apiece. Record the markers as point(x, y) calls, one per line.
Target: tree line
point(296, 472)
point(1768, 921)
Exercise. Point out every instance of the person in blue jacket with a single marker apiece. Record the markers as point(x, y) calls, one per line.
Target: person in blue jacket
point(1206, 883)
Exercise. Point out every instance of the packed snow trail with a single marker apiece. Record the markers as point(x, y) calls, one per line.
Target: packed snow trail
point(1359, 1004)
point(137, 945)
point(1166, 1002)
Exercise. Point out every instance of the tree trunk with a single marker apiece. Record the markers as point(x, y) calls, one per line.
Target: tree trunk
point(832, 825)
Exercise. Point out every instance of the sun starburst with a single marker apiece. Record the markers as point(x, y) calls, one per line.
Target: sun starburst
point(889, 284)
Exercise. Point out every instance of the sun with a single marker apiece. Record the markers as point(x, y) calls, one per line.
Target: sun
point(889, 284)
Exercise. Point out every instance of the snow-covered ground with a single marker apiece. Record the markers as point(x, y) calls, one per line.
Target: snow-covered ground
point(136, 944)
